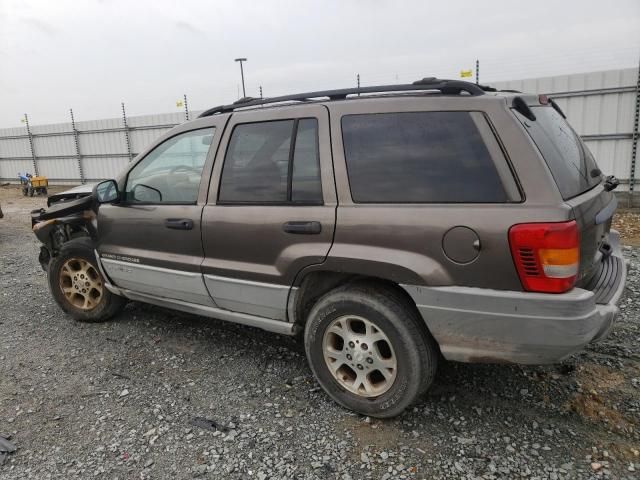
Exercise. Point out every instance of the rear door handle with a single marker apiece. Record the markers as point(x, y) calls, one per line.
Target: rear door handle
point(302, 228)
point(179, 223)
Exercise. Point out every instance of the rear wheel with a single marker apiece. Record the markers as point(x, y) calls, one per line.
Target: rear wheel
point(77, 284)
point(369, 349)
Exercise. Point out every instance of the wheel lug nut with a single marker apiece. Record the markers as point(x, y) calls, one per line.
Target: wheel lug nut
point(360, 367)
point(364, 346)
point(348, 356)
point(352, 345)
point(369, 360)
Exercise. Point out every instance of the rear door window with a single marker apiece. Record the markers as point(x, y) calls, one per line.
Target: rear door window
point(305, 185)
point(275, 162)
point(419, 157)
point(571, 163)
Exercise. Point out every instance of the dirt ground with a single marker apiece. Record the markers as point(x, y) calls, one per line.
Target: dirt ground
point(119, 399)
point(627, 222)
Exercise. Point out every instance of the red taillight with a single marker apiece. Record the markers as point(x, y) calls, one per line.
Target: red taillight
point(547, 255)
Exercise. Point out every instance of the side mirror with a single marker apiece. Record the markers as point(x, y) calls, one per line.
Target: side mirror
point(106, 192)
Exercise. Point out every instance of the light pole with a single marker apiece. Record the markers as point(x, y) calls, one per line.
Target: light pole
point(244, 93)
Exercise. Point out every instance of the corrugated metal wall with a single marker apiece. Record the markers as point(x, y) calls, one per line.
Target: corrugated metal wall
point(101, 152)
point(600, 105)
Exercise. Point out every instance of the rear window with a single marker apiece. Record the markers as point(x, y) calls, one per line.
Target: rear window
point(571, 163)
point(419, 157)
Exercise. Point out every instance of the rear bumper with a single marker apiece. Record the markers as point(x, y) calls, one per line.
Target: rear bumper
point(484, 325)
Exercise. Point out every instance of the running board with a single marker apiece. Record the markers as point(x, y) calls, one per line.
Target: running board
point(268, 324)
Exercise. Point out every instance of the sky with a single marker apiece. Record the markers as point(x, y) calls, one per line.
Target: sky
point(91, 55)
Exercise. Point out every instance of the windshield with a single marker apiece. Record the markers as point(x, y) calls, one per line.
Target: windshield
point(570, 161)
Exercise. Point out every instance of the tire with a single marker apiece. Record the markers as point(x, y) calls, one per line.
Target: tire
point(75, 270)
point(25, 191)
point(31, 191)
point(357, 311)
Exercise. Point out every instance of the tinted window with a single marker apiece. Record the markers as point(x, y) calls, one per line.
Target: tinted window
point(257, 164)
point(419, 157)
point(570, 161)
point(306, 185)
point(171, 172)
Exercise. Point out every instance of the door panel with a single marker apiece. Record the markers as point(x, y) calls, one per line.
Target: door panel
point(251, 255)
point(140, 253)
point(256, 298)
point(157, 281)
point(151, 242)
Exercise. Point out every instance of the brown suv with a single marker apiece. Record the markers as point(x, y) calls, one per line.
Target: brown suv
point(388, 225)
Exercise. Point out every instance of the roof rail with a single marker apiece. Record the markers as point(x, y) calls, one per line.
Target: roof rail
point(447, 87)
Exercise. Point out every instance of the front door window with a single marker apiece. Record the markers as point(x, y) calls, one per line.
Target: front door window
point(172, 171)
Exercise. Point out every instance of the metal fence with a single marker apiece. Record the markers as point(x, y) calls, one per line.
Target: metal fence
point(80, 152)
point(604, 109)
point(602, 106)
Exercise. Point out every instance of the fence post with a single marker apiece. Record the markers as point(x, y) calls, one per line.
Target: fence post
point(77, 143)
point(634, 142)
point(33, 153)
point(126, 132)
point(186, 108)
point(477, 72)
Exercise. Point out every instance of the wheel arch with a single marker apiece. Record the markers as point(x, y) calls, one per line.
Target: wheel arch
point(312, 285)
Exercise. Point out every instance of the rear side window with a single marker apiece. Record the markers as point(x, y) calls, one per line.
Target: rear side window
point(272, 162)
point(571, 163)
point(419, 157)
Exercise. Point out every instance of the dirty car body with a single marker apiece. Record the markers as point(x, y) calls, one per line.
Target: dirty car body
point(466, 221)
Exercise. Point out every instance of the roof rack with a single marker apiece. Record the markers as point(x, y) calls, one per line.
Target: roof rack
point(446, 87)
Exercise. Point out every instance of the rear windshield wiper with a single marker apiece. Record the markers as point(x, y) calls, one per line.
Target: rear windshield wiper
point(557, 108)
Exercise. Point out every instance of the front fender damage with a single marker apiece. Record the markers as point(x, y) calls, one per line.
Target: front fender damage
point(62, 222)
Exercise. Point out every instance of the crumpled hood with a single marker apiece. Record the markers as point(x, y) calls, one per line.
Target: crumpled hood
point(73, 193)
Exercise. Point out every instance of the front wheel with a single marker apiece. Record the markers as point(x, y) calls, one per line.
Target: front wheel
point(369, 349)
point(77, 284)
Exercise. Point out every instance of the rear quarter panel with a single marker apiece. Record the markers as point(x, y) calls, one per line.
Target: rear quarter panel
point(403, 242)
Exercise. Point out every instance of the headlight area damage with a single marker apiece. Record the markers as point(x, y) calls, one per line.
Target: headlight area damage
point(61, 222)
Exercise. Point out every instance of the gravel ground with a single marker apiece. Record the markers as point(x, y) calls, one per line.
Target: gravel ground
point(118, 400)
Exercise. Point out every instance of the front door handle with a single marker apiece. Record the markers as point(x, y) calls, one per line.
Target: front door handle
point(179, 223)
point(302, 228)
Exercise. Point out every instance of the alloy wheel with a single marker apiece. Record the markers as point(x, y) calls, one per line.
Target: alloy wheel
point(360, 356)
point(81, 284)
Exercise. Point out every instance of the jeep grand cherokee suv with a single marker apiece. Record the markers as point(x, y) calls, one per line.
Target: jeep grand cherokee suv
point(388, 225)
